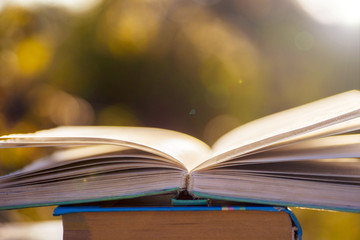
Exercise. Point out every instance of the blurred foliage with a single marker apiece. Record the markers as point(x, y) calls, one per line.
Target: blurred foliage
point(328, 225)
point(199, 67)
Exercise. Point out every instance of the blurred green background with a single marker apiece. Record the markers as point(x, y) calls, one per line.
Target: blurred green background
point(200, 67)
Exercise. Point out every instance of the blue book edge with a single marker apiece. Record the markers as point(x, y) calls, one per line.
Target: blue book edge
point(61, 210)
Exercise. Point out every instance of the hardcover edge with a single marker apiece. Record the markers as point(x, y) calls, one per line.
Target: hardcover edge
point(297, 230)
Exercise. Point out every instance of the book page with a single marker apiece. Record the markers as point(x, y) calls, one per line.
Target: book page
point(278, 190)
point(286, 125)
point(339, 128)
point(342, 146)
point(64, 161)
point(332, 170)
point(89, 168)
point(90, 188)
point(184, 149)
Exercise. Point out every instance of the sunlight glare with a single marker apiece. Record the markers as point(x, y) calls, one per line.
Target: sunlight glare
point(340, 12)
point(73, 5)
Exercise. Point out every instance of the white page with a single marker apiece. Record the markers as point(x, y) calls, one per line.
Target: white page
point(285, 125)
point(342, 146)
point(331, 168)
point(179, 147)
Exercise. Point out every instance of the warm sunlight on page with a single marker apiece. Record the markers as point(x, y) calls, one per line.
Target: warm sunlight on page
point(343, 146)
point(178, 146)
point(286, 125)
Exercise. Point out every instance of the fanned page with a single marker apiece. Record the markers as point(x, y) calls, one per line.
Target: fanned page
point(289, 158)
point(180, 148)
point(326, 116)
point(98, 164)
point(342, 146)
point(318, 173)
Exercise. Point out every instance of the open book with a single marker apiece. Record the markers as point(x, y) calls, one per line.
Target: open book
point(294, 158)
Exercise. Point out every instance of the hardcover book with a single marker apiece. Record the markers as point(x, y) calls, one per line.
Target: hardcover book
point(306, 156)
point(191, 222)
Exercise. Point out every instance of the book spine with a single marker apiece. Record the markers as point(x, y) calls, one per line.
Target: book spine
point(189, 182)
point(185, 182)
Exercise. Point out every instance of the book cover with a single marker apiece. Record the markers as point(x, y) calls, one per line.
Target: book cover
point(253, 222)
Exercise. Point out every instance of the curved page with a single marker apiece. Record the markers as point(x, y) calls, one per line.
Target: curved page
point(184, 149)
point(286, 125)
point(342, 146)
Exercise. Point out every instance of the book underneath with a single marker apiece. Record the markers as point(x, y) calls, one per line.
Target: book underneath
point(137, 221)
